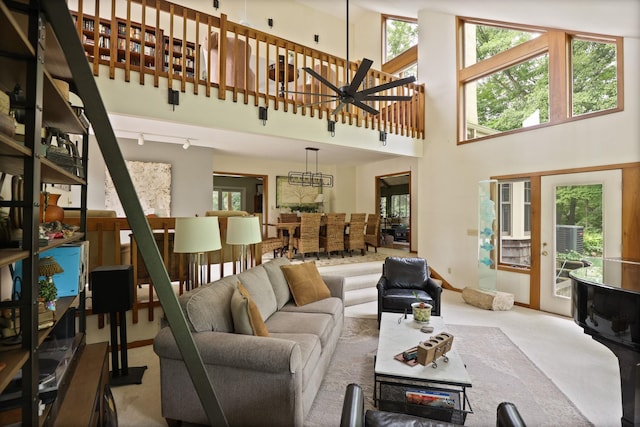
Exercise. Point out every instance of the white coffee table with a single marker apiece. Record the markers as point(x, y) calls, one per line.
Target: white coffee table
point(394, 378)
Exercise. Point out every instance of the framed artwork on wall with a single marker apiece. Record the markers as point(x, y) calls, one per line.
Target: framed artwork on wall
point(152, 182)
point(295, 197)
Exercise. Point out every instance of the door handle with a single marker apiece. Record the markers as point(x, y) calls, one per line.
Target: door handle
point(544, 253)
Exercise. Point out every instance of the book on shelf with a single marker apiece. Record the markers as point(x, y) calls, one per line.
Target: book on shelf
point(432, 398)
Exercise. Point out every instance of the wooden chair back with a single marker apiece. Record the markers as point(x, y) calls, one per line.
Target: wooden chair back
point(333, 237)
point(309, 240)
point(372, 231)
point(355, 239)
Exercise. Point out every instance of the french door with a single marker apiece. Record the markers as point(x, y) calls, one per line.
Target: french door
point(581, 222)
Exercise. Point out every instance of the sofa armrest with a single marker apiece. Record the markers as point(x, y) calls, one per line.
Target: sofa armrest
point(335, 285)
point(382, 284)
point(235, 350)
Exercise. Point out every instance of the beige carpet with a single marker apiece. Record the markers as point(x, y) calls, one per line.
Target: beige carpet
point(498, 369)
point(499, 372)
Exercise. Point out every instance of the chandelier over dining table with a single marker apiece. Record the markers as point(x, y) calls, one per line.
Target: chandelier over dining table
point(308, 178)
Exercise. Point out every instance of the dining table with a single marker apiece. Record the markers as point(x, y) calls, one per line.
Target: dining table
point(291, 228)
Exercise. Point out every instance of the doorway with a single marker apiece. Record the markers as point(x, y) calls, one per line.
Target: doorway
point(239, 191)
point(580, 224)
point(393, 194)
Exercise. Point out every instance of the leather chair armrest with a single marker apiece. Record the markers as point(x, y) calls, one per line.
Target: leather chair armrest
point(433, 288)
point(352, 407)
point(382, 284)
point(507, 415)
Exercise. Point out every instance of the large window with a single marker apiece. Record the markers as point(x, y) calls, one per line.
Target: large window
point(400, 46)
point(228, 199)
point(507, 73)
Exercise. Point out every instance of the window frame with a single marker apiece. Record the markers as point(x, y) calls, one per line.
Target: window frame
point(555, 42)
point(403, 60)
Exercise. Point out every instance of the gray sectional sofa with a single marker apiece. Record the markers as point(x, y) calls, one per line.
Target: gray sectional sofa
point(258, 380)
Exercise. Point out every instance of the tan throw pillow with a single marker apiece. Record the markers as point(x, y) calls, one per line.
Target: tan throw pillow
point(246, 316)
point(305, 283)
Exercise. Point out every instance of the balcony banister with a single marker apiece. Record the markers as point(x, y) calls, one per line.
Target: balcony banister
point(206, 51)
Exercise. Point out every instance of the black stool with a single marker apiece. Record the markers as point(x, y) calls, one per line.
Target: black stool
point(112, 292)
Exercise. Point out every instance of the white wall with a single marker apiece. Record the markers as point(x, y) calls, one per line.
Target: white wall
point(449, 173)
point(191, 180)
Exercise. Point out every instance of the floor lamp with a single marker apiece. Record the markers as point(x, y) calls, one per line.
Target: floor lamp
point(243, 231)
point(195, 236)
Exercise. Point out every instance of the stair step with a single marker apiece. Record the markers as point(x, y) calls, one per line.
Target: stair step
point(360, 296)
point(352, 283)
point(356, 269)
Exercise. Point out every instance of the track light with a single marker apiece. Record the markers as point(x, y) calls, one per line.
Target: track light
point(383, 137)
point(331, 127)
point(216, 4)
point(141, 139)
point(186, 144)
point(262, 115)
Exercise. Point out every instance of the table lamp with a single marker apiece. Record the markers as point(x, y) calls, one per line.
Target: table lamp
point(195, 236)
point(243, 231)
point(320, 201)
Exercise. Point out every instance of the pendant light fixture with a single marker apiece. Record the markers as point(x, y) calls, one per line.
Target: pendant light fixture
point(310, 179)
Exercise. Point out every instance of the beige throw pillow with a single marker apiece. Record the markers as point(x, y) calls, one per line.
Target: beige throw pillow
point(246, 316)
point(305, 283)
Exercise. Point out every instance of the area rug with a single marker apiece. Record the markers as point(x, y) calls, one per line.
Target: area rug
point(499, 371)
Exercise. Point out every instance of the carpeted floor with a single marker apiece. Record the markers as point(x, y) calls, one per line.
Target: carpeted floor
point(502, 373)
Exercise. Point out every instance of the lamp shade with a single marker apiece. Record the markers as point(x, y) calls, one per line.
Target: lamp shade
point(197, 234)
point(319, 198)
point(243, 230)
point(48, 266)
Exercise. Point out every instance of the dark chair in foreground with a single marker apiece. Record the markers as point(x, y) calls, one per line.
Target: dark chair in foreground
point(401, 278)
point(354, 415)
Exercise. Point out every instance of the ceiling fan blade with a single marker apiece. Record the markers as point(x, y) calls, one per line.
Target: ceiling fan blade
point(322, 79)
point(361, 73)
point(338, 109)
point(365, 107)
point(388, 85)
point(387, 98)
point(311, 94)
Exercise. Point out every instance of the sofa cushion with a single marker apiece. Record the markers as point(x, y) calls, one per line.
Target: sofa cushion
point(332, 306)
point(257, 283)
point(278, 281)
point(246, 316)
point(305, 283)
point(318, 324)
point(208, 308)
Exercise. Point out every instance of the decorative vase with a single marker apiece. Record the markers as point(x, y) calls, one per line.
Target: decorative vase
point(50, 305)
point(49, 205)
point(421, 312)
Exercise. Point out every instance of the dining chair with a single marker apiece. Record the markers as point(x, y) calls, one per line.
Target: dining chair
point(333, 237)
point(372, 232)
point(287, 218)
point(309, 239)
point(355, 238)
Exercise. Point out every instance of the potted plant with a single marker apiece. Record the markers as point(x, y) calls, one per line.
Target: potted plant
point(421, 310)
point(47, 292)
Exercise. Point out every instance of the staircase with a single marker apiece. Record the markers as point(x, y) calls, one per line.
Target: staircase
point(360, 280)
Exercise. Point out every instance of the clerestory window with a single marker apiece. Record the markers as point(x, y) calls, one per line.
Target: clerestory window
point(507, 73)
point(400, 46)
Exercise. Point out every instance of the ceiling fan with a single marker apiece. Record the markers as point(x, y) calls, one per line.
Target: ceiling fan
point(349, 94)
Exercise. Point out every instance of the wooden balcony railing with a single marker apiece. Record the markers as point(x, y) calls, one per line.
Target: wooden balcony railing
point(162, 40)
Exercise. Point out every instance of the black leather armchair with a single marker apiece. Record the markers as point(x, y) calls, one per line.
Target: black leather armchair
point(401, 277)
point(353, 414)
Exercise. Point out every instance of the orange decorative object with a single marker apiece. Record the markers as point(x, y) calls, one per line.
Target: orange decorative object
point(49, 203)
